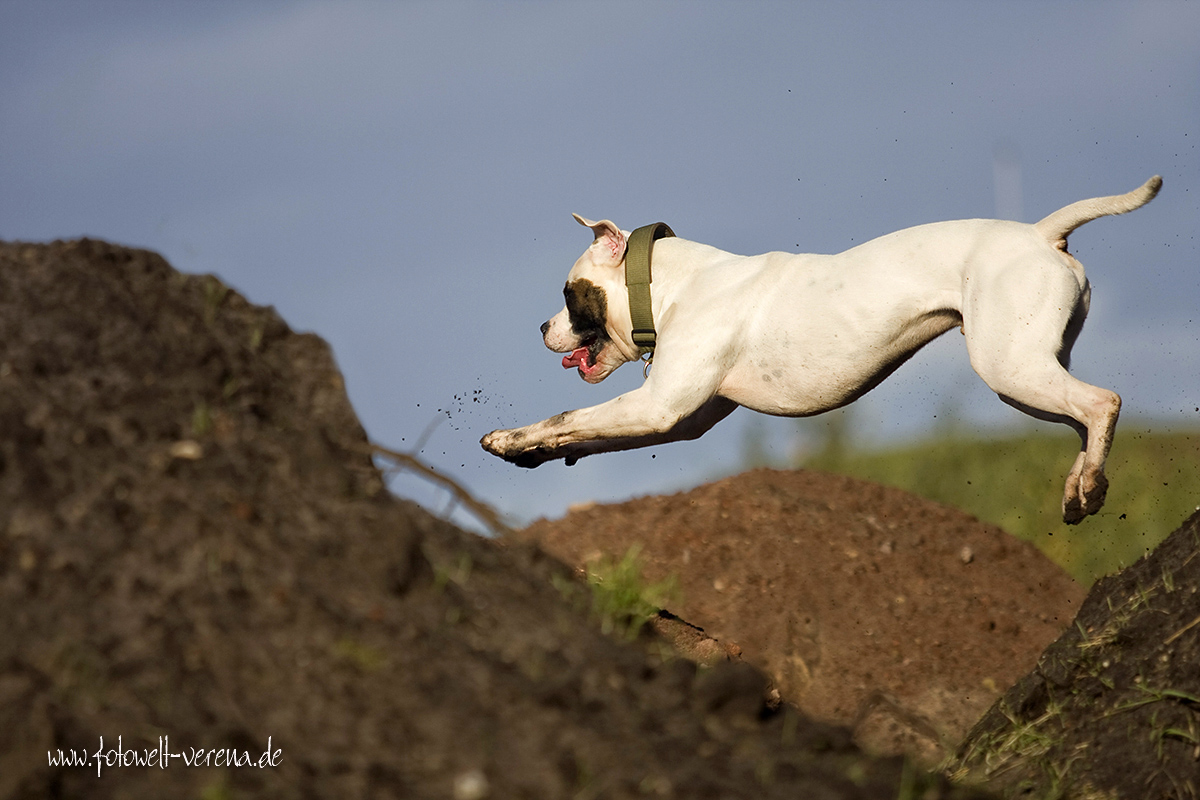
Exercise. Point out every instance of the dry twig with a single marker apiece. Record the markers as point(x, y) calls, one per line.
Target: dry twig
point(408, 461)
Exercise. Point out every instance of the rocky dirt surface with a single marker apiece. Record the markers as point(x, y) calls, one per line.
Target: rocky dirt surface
point(197, 553)
point(868, 607)
point(1113, 707)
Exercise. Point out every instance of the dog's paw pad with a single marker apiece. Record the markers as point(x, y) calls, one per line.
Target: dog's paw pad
point(1072, 509)
point(529, 458)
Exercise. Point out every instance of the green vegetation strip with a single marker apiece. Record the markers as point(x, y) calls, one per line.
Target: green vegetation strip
point(1017, 483)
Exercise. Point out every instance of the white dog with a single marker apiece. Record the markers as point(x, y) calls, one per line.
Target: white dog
point(795, 335)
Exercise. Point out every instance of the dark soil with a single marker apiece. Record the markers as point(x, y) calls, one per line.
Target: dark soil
point(195, 544)
point(1113, 707)
point(869, 607)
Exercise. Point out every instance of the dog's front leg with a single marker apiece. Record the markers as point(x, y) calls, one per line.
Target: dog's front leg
point(635, 419)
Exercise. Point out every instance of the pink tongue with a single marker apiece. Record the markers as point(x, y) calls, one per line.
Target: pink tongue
point(578, 358)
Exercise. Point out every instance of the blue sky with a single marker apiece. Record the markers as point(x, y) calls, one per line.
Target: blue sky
point(399, 178)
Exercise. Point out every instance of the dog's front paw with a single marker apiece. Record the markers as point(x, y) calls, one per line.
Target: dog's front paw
point(513, 447)
point(494, 442)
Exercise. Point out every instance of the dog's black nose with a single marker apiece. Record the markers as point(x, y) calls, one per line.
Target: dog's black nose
point(545, 327)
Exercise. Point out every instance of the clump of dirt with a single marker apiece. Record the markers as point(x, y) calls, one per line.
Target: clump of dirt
point(1113, 707)
point(867, 606)
point(197, 557)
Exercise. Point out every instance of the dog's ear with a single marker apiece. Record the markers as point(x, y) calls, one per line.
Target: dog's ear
point(609, 243)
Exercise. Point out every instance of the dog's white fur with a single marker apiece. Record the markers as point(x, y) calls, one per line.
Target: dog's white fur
point(796, 335)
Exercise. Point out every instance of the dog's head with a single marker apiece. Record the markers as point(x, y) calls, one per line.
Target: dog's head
point(594, 328)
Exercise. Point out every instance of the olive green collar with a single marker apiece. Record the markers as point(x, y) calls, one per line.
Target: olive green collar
point(637, 279)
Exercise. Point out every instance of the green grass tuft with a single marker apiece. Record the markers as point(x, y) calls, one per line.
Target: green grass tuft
point(621, 598)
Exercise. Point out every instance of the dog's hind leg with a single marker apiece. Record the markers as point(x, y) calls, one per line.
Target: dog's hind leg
point(1092, 412)
point(1022, 356)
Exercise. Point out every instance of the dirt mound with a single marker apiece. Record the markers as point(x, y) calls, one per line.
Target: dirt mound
point(1113, 707)
point(197, 557)
point(868, 606)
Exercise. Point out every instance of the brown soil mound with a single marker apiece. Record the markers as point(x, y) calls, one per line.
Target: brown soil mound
point(868, 606)
point(1113, 707)
point(196, 551)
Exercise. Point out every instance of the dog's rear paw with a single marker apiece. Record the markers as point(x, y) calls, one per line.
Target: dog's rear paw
point(1072, 513)
point(1084, 498)
point(1094, 491)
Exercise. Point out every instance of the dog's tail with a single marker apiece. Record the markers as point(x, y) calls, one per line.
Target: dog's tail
point(1058, 226)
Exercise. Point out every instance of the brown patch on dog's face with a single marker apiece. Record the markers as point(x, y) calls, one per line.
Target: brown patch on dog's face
point(587, 307)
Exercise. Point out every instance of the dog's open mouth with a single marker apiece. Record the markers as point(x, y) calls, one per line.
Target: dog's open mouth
point(584, 356)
